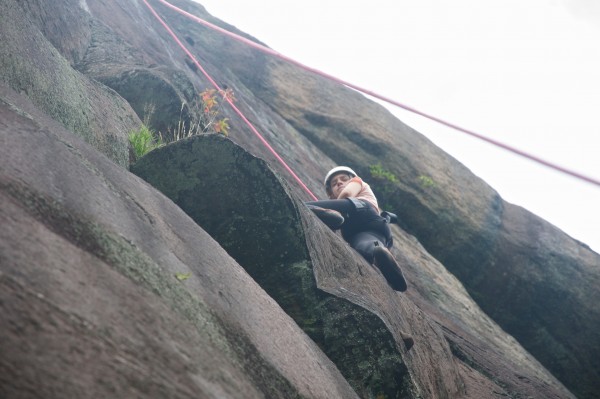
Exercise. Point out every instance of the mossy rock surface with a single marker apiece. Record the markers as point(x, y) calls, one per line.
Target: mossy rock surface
point(84, 106)
point(241, 202)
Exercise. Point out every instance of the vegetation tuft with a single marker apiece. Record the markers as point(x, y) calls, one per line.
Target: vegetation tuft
point(210, 120)
point(378, 173)
point(384, 183)
point(426, 181)
point(144, 140)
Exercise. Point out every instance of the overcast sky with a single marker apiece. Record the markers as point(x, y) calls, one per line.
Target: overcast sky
point(526, 73)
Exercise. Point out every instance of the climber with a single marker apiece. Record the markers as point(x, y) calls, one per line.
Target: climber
point(352, 207)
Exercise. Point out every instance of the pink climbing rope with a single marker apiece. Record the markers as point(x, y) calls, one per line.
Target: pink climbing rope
point(226, 98)
point(384, 98)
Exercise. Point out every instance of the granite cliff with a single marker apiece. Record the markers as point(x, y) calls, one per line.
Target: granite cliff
point(224, 285)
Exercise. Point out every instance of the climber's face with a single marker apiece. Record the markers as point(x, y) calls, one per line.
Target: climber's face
point(337, 183)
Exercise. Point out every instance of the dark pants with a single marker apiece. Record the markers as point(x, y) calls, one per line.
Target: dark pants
point(363, 228)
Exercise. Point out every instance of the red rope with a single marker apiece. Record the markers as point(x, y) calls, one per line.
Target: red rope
point(386, 99)
point(226, 98)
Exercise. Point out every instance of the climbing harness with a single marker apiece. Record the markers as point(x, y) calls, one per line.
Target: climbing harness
point(387, 215)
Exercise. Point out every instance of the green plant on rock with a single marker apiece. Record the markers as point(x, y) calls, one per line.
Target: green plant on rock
point(377, 172)
point(182, 276)
point(211, 109)
point(143, 141)
point(209, 119)
point(426, 181)
point(384, 183)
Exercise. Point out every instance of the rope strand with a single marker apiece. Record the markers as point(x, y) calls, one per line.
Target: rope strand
point(226, 98)
point(386, 99)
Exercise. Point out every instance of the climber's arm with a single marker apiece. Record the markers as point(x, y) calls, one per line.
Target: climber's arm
point(351, 190)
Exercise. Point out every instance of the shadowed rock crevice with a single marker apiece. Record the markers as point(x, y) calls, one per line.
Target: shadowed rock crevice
point(245, 207)
point(174, 101)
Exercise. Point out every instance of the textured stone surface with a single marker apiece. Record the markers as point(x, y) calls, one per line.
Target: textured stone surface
point(525, 273)
point(90, 300)
point(537, 283)
point(341, 302)
point(32, 34)
point(242, 204)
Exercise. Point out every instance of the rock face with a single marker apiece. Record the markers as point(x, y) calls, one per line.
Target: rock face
point(98, 68)
point(341, 302)
point(539, 284)
point(90, 301)
point(244, 206)
point(40, 44)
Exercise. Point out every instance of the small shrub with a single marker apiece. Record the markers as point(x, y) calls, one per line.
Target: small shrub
point(211, 110)
point(426, 181)
point(384, 184)
point(143, 141)
point(377, 172)
point(209, 119)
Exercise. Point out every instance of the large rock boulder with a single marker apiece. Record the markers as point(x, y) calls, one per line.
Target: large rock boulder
point(40, 44)
point(107, 289)
point(244, 206)
point(529, 276)
point(538, 283)
point(339, 300)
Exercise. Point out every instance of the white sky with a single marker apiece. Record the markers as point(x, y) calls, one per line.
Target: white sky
point(526, 73)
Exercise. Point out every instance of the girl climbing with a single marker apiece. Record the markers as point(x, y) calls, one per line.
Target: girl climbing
point(352, 207)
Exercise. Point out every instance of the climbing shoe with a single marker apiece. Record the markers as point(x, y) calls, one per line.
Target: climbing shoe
point(333, 219)
point(384, 260)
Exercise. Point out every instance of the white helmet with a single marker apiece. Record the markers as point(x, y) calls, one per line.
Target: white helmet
point(335, 171)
